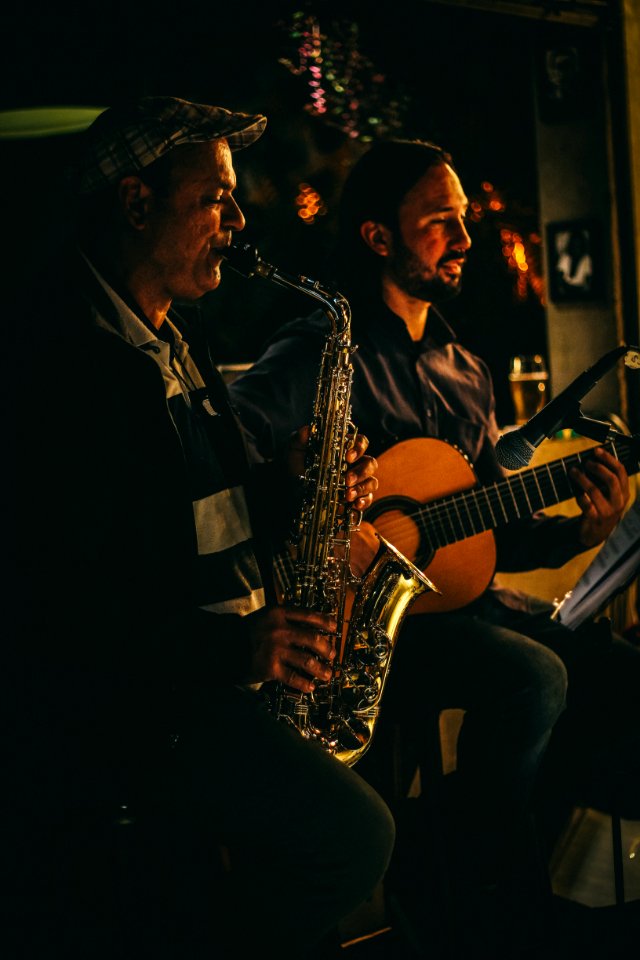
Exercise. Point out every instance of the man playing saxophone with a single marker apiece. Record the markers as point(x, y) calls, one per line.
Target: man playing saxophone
point(143, 580)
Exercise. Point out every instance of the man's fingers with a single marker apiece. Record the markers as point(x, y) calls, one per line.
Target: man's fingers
point(314, 621)
point(364, 470)
point(291, 678)
point(602, 487)
point(610, 472)
point(302, 669)
point(360, 444)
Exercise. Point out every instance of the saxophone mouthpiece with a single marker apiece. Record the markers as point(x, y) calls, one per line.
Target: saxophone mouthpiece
point(244, 259)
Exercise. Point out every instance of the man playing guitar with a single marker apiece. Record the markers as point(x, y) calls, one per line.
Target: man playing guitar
point(427, 405)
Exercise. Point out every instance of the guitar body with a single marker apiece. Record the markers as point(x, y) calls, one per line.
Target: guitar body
point(413, 473)
point(430, 507)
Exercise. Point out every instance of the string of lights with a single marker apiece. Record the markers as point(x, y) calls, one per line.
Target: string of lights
point(345, 88)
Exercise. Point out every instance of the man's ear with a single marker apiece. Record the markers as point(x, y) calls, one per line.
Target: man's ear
point(134, 196)
point(377, 237)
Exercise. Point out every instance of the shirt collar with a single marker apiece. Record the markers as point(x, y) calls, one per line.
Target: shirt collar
point(389, 325)
point(437, 331)
point(129, 325)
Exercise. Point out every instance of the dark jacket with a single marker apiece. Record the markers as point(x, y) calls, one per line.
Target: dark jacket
point(106, 637)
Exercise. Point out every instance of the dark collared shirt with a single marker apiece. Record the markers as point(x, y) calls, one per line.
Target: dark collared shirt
point(401, 389)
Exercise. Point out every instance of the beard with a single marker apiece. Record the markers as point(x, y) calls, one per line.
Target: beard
point(407, 271)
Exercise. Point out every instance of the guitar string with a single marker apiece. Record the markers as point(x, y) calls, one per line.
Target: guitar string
point(439, 513)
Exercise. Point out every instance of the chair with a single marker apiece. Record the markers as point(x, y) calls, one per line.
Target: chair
point(418, 875)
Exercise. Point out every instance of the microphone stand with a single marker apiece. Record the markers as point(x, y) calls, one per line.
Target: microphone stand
point(599, 430)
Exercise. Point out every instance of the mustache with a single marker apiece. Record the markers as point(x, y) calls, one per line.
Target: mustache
point(459, 256)
point(224, 244)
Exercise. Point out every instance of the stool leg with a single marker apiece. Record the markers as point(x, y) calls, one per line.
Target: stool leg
point(432, 775)
point(618, 866)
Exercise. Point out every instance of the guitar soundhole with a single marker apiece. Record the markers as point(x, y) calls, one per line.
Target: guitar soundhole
point(398, 520)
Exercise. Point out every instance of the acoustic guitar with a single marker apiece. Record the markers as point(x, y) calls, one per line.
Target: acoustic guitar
point(430, 506)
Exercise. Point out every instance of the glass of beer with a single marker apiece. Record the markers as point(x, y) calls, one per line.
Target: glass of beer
point(528, 378)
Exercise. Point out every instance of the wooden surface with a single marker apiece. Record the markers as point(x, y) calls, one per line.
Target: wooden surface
point(424, 470)
point(582, 864)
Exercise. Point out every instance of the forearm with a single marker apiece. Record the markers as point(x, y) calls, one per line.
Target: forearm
point(539, 541)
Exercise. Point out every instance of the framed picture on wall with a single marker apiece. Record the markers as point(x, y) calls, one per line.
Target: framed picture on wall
point(574, 256)
point(565, 68)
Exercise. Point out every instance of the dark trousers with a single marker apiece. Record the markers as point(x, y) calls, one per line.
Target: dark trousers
point(82, 875)
point(551, 715)
point(308, 838)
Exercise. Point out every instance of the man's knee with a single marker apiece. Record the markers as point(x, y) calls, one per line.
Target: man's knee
point(364, 830)
point(533, 684)
point(551, 684)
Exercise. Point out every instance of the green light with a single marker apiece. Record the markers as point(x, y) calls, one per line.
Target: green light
point(33, 122)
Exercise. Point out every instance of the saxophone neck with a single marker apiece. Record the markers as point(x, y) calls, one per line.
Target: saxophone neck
point(245, 259)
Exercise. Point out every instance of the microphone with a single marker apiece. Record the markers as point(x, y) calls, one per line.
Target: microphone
point(515, 449)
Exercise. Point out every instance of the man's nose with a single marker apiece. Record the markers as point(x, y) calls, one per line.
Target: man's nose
point(233, 216)
point(462, 240)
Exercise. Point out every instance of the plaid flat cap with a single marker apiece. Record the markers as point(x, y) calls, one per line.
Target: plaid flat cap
point(124, 140)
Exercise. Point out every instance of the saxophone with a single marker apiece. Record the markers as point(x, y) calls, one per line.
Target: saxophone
point(342, 712)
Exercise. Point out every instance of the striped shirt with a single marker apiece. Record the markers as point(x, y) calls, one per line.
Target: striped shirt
point(228, 578)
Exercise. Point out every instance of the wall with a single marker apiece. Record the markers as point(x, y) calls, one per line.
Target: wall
point(632, 72)
point(588, 152)
point(574, 186)
point(631, 64)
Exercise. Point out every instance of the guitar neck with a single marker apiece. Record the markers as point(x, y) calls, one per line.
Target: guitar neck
point(461, 515)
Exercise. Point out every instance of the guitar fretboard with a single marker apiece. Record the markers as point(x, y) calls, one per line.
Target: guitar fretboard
point(481, 508)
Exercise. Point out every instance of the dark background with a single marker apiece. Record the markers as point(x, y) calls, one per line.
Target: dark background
point(459, 76)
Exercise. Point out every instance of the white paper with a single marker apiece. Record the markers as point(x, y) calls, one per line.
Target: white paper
point(611, 570)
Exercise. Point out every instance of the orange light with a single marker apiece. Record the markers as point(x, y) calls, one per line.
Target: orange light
point(310, 203)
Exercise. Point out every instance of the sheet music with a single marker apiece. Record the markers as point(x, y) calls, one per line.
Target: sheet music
point(611, 570)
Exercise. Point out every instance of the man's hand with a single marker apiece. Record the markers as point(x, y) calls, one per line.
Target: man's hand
point(605, 492)
point(360, 478)
point(291, 645)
